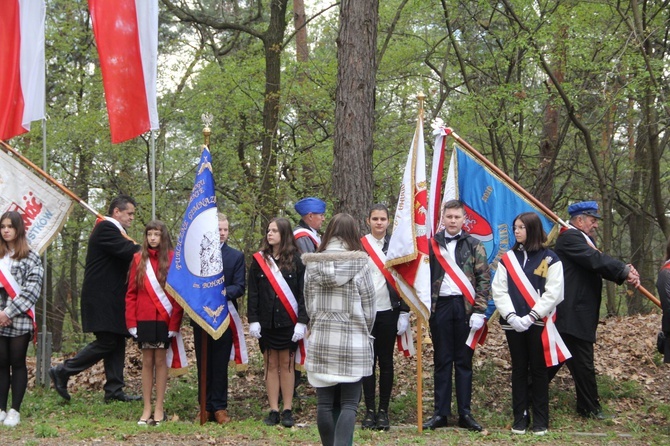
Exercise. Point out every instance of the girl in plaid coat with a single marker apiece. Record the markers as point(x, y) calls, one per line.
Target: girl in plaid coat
point(21, 275)
point(340, 303)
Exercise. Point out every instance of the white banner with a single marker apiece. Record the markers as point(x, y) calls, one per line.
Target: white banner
point(44, 209)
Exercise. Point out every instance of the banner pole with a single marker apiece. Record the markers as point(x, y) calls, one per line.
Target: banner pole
point(7, 148)
point(419, 374)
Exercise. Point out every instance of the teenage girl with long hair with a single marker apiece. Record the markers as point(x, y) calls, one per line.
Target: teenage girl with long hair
point(21, 274)
point(152, 315)
point(276, 313)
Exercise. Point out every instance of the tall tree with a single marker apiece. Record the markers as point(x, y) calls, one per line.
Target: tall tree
point(355, 107)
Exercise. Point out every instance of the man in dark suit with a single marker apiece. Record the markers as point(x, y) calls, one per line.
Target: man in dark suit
point(218, 351)
point(584, 268)
point(103, 302)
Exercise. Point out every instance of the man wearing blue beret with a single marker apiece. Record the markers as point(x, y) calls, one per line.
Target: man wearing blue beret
point(312, 215)
point(584, 268)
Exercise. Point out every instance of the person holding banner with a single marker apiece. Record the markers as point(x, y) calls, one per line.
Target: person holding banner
point(391, 320)
point(340, 300)
point(460, 290)
point(312, 215)
point(21, 275)
point(663, 288)
point(103, 303)
point(153, 317)
point(276, 314)
point(218, 351)
point(527, 286)
point(584, 268)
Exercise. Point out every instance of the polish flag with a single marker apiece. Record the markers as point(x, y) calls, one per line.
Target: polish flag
point(21, 65)
point(126, 33)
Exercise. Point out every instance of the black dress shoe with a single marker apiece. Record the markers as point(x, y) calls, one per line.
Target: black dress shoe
point(123, 397)
point(60, 382)
point(468, 422)
point(435, 422)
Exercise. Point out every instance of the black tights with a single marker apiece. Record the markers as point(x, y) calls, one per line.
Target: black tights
point(13, 355)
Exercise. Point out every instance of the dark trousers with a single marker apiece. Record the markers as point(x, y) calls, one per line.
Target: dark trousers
point(111, 348)
point(384, 332)
point(13, 369)
point(218, 357)
point(527, 354)
point(583, 373)
point(337, 431)
point(449, 330)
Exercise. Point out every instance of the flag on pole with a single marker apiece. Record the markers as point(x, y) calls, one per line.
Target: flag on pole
point(490, 203)
point(195, 278)
point(407, 256)
point(22, 67)
point(43, 208)
point(126, 34)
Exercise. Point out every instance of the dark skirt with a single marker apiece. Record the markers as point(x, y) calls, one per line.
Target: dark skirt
point(152, 334)
point(277, 339)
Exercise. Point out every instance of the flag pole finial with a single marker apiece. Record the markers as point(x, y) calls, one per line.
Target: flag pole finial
point(421, 96)
point(207, 119)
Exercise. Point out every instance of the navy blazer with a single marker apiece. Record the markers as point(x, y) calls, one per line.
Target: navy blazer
point(233, 272)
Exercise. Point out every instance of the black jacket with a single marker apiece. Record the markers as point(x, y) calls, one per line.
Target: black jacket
point(263, 304)
point(584, 269)
point(396, 301)
point(103, 293)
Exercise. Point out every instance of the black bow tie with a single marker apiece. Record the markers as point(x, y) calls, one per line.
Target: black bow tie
point(449, 239)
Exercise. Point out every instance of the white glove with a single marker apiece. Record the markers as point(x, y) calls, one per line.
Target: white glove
point(527, 321)
point(477, 321)
point(133, 332)
point(515, 322)
point(299, 332)
point(255, 329)
point(403, 323)
point(172, 334)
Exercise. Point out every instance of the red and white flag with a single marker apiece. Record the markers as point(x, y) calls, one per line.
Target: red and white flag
point(407, 255)
point(21, 66)
point(126, 34)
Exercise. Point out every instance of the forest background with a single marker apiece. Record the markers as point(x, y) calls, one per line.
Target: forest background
point(569, 98)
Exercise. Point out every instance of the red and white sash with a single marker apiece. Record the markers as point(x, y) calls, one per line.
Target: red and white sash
point(456, 274)
point(405, 342)
point(303, 232)
point(288, 300)
point(239, 354)
point(176, 354)
point(555, 350)
point(13, 288)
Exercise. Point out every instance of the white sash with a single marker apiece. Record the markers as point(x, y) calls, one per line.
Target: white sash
point(555, 350)
point(303, 232)
point(405, 342)
point(239, 354)
point(176, 354)
point(456, 273)
point(9, 283)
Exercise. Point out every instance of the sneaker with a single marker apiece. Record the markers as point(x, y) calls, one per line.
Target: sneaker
point(12, 419)
point(287, 418)
point(370, 420)
point(3, 415)
point(272, 419)
point(540, 430)
point(383, 421)
point(520, 426)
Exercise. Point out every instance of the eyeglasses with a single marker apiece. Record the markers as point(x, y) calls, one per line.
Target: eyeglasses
point(519, 228)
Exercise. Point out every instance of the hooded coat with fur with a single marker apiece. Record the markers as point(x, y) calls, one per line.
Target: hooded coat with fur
point(340, 302)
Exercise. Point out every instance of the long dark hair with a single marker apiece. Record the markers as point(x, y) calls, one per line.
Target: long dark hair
point(535, 235)
point(21, 247)
point(164, 248)
point(287, 246)
point(345, 228)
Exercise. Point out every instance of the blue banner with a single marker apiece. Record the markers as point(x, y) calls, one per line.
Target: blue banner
point(491, 205)
point(195, 278)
